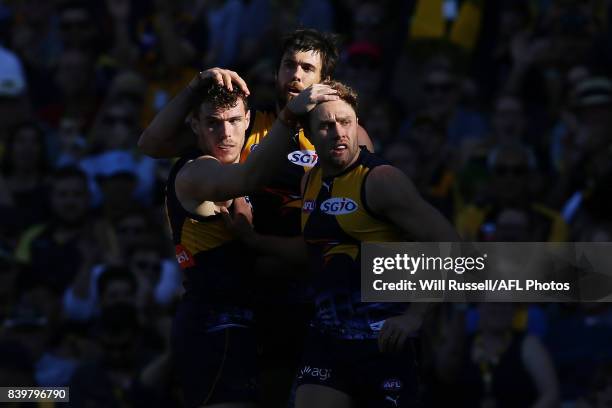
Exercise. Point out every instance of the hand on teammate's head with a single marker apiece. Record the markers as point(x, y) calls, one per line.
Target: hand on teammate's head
point(223, 77)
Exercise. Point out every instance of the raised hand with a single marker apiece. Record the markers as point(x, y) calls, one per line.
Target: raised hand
point(306, 100)
point(223, 77)
point(396, 330)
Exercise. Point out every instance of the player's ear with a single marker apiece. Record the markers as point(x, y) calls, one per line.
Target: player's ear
point(247, 117)
point(194, 124)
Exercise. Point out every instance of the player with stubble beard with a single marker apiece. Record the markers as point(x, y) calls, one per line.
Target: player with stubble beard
point(307, 57)
point(212, 337)
point(357, 354)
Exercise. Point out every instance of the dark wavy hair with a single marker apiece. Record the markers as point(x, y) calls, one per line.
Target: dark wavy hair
point(325, 44)
point(218, 97)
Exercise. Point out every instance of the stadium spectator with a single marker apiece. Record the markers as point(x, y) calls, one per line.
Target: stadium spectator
point(23, 179)
point(495, 367)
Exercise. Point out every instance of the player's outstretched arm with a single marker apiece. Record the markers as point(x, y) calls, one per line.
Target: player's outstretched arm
point(163, 138)
point(205, 179)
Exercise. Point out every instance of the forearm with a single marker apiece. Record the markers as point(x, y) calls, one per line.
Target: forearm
point(270, 154)
point(162, 137)
point(443, 231)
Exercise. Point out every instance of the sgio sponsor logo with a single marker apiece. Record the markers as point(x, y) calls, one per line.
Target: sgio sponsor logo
point(304, 158)
point(338, 206)
point(320, 373)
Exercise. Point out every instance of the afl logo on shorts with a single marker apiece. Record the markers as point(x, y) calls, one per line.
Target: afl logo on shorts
point(309, 206)
point(392, 384)
point(338, 206)
point(304, 158)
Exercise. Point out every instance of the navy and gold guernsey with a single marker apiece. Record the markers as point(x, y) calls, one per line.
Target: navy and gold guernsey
point(216, 268)
point(277, 206)
point(335, 220)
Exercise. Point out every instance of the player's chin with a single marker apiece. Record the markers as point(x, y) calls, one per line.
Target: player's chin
point(227, 157)
point(338, 162)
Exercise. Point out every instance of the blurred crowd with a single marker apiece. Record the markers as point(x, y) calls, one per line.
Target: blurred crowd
point(500, 112)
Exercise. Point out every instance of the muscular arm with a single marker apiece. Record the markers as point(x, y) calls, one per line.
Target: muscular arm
point(391, 194)
point(206, 179)
point(163, 138)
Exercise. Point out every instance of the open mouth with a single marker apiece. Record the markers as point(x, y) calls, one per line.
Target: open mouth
point(339, 148)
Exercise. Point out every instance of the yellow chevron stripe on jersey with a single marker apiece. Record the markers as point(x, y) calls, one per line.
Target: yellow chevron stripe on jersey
point(343, 228)
point(198, 236)
point(346, 249)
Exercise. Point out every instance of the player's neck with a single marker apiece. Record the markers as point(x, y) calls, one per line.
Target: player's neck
point(329, 170)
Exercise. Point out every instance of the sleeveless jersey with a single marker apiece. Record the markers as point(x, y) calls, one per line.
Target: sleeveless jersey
point(215, 265)
point(277, 206)
point(335, 220)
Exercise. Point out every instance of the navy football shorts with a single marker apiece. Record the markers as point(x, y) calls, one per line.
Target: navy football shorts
point(358, 369)
point(216, 366)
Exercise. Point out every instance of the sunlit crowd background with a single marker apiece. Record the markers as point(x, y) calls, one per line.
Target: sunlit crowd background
point(500, 112)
